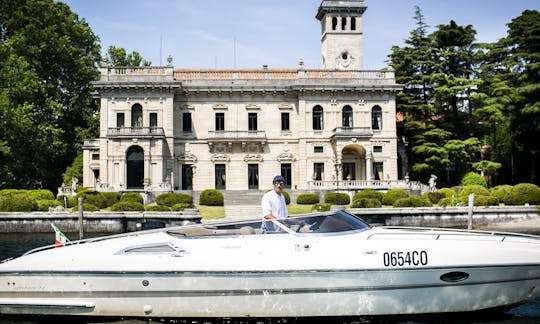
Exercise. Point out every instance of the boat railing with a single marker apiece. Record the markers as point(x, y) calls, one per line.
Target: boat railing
point(439, 233)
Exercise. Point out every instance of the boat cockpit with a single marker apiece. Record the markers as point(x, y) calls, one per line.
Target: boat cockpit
point(329, 223)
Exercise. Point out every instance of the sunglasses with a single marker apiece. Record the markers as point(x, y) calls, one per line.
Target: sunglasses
point(279, 183)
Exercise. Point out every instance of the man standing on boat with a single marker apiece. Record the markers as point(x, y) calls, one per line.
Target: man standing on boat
point(273, 205)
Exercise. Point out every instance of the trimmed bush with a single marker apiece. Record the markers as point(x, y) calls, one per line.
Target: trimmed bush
point(307, 199)
point(434, 196)
point(93, 197)
point(503, 193)
point(17, 202)
point(473, 178)
point(170, 199)
point(287, 196)
point(88, 207)
point(111, 198)
point(45, 204)
point(485, 201)
point(337, 198)
point(157, 208)
point(366, 203)
point(132, 197)
point(475, 189)
point(390, 197)
point(41, 194)
point(127, 206)
point(412, 201)
point(320, 207)
point(525, 193)
point(71, 201)
point(180, 207)
point(369, 193)
point(447, 192)
point(211, 197)
point(444, 202)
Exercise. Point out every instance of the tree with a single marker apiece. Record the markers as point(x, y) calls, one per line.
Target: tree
point(48, 58)
point(117, 56)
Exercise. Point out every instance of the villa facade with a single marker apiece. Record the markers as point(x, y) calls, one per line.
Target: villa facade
point(166, 128)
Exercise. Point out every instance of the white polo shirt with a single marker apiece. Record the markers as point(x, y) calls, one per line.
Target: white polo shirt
point(274, 204)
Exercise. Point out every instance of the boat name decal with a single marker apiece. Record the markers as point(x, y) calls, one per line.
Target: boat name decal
point(410, 258)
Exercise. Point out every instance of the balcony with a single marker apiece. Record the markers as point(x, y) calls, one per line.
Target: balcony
point(140, 132)
point(349, 132)
point(242, 137)
point(355, 185)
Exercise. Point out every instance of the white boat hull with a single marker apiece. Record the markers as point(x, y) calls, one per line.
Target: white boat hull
point(271, 294)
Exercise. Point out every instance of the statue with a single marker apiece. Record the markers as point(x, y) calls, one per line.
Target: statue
point(433, 183)
point(74, 182)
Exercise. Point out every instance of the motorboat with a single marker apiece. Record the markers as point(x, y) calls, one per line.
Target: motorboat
point(321, 264)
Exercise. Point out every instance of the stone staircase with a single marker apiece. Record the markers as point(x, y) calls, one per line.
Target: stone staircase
point(242, 204)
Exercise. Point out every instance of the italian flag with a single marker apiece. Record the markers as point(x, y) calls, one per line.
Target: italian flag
point(59, 238)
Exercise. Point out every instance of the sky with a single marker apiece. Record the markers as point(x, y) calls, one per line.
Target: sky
point(228, 34)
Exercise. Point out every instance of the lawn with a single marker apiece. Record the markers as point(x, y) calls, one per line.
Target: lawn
point(211, 212)
point(298, 209)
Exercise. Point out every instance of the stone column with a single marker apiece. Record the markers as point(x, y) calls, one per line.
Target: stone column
point(369, 166)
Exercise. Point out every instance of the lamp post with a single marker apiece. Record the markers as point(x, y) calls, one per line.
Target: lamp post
point(193, 169)
point(337, 166)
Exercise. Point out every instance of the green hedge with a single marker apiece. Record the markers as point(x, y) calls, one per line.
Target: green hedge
point(132, 196)
point(127, 206)
point(171, 199)
point(93, 197)
point(473, 178)
point(369, 193)
point(434, 196)
point(45, 204)
point(211, 197)
point(111, 198)
point(307, 199)
point(41, 194)
point(70, 201)
point(180, 207)
point(286, 196)
point(320, 207)
point(390, 197)
point(412, 201)
point(12, 203)
point(503, 193)
point(157, 208)
point(366, 203)
point(525, 193)
point(337, 198)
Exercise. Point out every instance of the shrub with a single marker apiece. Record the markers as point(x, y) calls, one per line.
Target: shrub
point(477, 190)
point(337, 198)
point(45, 204)
point(485, 201)
point(170, 199)
point(525, 193)
point(111, 198)
point(93, 197)
point(69, 202)
point(320, 207)
point(211, 197)
point(89, 207)
point(447, 192)
point(434, 196)
point(127, 206)
point(447, 202)
point(157, 208)
point(369, 193)
point(503, 193)
point(412, 201)
point(473, 178)
point(287, 196)
point(390, 197)
point(457, 189)
point(307, 199)
point(132, 197)
point(41, 194)
point(17, 202)
point(180, 206)
point(366, 203)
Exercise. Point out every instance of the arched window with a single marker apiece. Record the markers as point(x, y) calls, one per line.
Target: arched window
point(376, 118)
point(136, 116)
point(347, 116)
point(334, 23)
point(317, 118)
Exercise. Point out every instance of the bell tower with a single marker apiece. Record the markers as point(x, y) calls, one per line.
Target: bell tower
point(341, 27)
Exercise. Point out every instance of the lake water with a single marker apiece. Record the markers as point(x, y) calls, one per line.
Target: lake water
point(12, 245)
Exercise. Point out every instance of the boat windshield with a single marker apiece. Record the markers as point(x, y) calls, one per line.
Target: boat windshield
point(330, 222)
point(339, 221)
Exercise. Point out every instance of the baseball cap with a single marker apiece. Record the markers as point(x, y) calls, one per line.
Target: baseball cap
point(278, 178)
